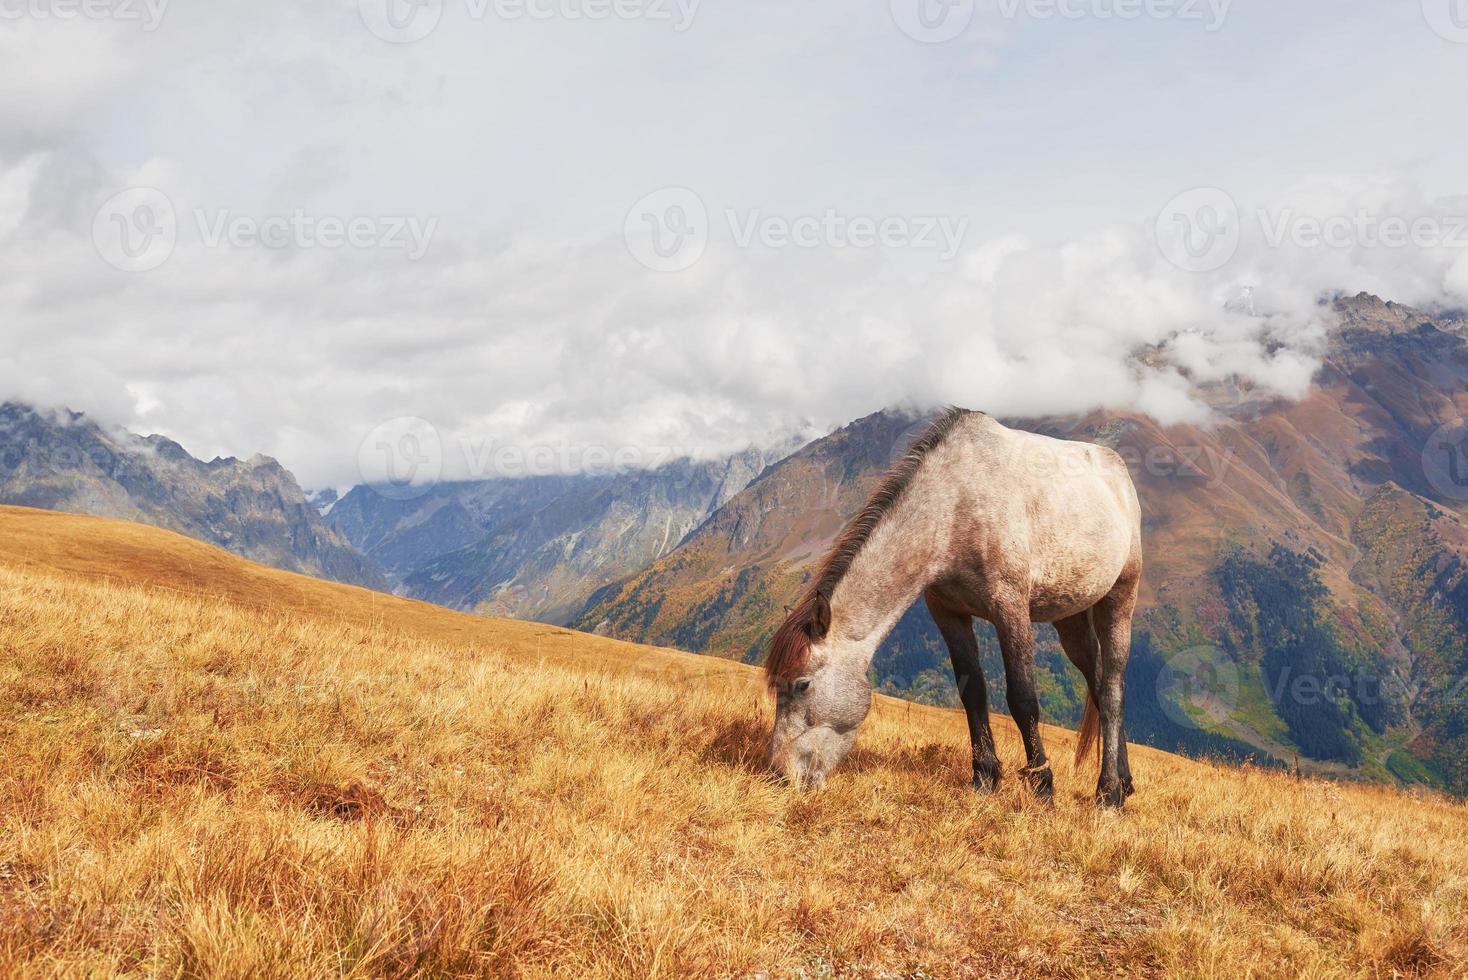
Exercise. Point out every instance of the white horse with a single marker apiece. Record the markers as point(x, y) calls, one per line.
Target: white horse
point(986, 521)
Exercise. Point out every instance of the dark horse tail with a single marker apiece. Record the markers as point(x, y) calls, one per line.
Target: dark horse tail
point(1091, 717)
point(1086, 734)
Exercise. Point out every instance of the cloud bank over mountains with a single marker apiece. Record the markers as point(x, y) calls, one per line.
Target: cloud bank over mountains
point(353, 231)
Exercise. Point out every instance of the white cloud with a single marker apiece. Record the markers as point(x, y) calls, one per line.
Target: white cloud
point(528, 321)
point(55, 74)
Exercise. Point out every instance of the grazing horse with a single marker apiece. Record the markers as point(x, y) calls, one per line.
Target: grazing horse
point(980, 520)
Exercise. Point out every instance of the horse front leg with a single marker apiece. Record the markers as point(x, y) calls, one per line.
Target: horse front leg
point(1017, 640)
point(968, 673)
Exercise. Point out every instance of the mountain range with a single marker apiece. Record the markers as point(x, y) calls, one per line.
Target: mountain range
point(62, 460)
point(536, 547)
point(1306, 592)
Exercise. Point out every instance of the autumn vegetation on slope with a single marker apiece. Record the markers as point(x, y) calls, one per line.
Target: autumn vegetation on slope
point(215, 769)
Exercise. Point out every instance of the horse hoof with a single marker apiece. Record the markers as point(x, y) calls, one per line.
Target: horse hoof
point(986, 776)
point(1111, 797)
point(1041, 782)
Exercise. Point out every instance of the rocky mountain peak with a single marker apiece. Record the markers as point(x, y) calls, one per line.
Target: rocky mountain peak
point(1368, 313)
point(64, 460)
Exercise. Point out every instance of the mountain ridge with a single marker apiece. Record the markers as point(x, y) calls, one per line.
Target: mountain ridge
point(537, 546)
point(62, 460)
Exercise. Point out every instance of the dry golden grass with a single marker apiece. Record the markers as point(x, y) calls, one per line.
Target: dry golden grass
point(290, 778)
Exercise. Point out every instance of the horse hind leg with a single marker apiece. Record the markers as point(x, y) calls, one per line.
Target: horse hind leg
point(1113, 618)
point(963, 649)
point(1082, 646)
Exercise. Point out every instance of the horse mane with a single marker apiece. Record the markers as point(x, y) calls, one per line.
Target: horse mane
point(810, 618)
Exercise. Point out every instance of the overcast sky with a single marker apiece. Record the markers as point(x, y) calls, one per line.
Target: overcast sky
point(278, 227)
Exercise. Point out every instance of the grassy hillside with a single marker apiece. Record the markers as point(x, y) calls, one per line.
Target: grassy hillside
point(215, 769)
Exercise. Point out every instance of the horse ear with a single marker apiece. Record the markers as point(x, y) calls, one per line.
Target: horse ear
point(820, 620)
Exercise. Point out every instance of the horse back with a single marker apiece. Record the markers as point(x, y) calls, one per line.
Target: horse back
point(1056, 520)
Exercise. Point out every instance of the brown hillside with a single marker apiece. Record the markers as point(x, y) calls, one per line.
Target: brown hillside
point(218, 770)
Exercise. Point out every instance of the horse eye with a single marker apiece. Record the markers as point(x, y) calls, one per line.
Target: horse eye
point(802, 685)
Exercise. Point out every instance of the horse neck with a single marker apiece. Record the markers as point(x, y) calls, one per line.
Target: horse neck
point(890, 571)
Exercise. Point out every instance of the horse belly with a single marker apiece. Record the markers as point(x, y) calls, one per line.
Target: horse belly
point(1077, 561)
point(1055, 600)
